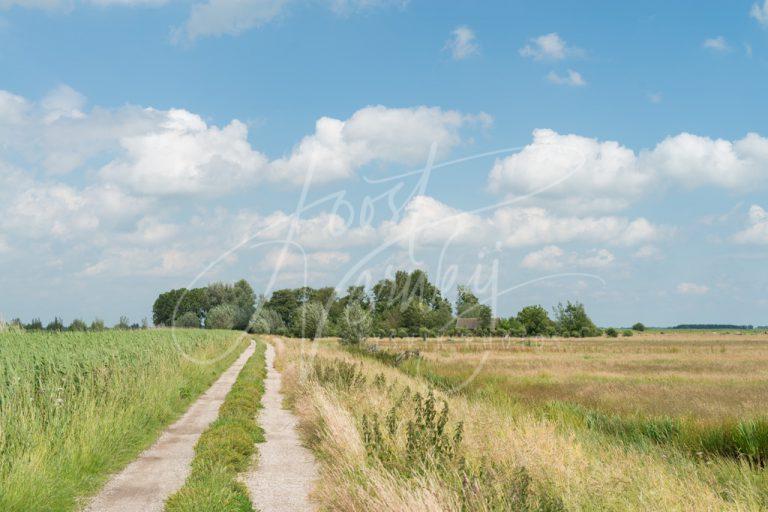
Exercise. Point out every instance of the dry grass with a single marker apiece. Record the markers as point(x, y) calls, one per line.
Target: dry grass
point(510, 457)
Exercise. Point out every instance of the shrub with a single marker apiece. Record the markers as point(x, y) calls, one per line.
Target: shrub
point(188, 320)
point(638, 327)
point(222, 316)
point(97, 325)
point(310, 320)
point(77, 325)
point(611, 332)
point(627, 332)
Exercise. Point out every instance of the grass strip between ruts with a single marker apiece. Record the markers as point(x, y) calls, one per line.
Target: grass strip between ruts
point(226, 448)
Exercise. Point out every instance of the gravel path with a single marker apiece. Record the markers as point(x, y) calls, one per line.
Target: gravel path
point(145, 484)
point(283, 477)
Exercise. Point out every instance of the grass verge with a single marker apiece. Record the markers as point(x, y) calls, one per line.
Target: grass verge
point(226, 448)
point(75, 407)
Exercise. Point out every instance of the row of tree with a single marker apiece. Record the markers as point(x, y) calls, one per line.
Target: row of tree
point(77, 325)
point(216, 306)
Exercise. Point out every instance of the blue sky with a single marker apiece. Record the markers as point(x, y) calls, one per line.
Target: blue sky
point(140, 140)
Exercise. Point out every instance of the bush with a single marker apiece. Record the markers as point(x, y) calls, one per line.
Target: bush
point(188, 320)
point(77, 325)
point(97, 325)
point(638, 327)
point(627, 332)
point(611, 332)
point(222, 316)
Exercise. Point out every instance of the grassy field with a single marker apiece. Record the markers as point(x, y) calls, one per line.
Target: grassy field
point(76, 406)
point(226, 448)
point(651, 422)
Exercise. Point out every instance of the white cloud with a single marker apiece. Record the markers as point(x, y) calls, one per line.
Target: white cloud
point(63, 102)
point(648, 252)
point(717, 44)
point(757, 232)
point(227, 17)
point(462, 43)
point(694, 160)
point(428, 221)
point(760, 13)
point(233, 17)
point(573, 78)
point(692, 289)
point(373, 134)
point(184, 155)
point(574, 172)
point(553, 257)
point(549, 47)
point(291, 259)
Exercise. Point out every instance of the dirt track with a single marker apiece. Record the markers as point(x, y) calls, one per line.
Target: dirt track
point(145, 484)
point(283, 477)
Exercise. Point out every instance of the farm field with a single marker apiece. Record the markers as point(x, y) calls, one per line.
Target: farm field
point(75, 407)
point(651, 422)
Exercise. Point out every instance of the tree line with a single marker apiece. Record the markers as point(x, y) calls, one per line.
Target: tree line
point(407, 304)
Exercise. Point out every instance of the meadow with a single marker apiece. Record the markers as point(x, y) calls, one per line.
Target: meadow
point(652, 422)
point(75, 407)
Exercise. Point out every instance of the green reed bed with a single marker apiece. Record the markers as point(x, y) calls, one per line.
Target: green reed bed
point(75, 407)
point(226, 448)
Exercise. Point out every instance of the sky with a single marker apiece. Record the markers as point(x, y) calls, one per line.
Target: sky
point(539, 152)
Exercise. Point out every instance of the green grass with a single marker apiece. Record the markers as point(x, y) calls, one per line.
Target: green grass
point(226, 448)
point(75, 407)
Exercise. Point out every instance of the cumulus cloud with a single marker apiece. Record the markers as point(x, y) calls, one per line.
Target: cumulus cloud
point(584, 174)
point(549, 47)
point(692, 289)
point(373, 134)
point(428, 221)
point(291, 259)
point(695, 160)
point(183, 155)
point(757, 232)
point(577, 172)
point(553, 257)
point(760, 13)
point(716, 44)
point(572, 78)
point(462, 43)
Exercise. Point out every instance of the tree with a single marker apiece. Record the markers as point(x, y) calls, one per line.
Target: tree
point(356, 323)
point(572, 320)
point(284, 302)
point(34, 325)
point(611, 332)
point(222, 316)
point(265, 321)
point(512, 326)
point(310, 320)
point(123, 324)
point(57, 325)
point(638, 327)
point(466, 302)
point(77, 325)
point(536, 321)
point(97, 325)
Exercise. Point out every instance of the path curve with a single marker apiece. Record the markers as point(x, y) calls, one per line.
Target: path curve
point(145, 484)
point(283, 477)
